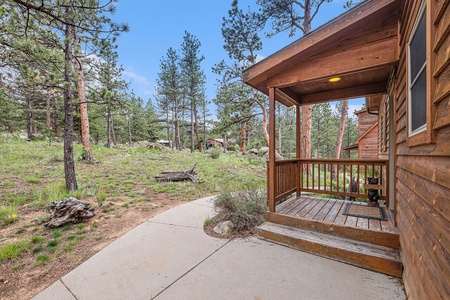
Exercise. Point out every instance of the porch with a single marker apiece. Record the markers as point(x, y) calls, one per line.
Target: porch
point(354, 55)
point(312, 207)
point(301, 217)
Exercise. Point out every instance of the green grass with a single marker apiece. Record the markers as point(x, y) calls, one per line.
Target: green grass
point(207, 222)
point(12, 251)
point(37, 239)
point(37, 249)
point(8, 214)
point(56, 233)
point(55, 191)
point(52, 243)
point(42, 259)
point(69, 246)
point(33, 177)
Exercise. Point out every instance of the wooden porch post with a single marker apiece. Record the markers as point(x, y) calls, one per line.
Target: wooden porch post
point(297, 148)
point(271, 178)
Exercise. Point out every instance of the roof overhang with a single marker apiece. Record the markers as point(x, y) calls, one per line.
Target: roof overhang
point(360, 47)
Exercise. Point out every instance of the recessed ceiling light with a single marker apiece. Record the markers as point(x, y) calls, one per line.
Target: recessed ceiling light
point(334, 79)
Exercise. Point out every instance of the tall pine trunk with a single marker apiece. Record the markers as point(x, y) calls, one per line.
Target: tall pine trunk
point(56, 124)
point(340, 136)
point(113, 133)
point(84, 117)
point(48, 121)
point(192, 127)
point(196, 129)
point(176, 128)
point(108, 128)
point(305, 144)
point(69, 163)
point(129, 129)
point(168, 128)
point(29, 118)
point(242, 137)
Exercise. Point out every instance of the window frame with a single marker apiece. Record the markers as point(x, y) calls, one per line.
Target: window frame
point(422, 70)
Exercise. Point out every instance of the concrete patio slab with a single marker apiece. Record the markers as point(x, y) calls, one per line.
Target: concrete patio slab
point(256, 269)
point(170, 257)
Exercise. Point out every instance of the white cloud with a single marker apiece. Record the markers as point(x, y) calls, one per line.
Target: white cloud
point(139, 79)
point(259, 58)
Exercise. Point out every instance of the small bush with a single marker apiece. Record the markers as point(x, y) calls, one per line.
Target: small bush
point(246, 208)
point(214, 152)
point(8, 214)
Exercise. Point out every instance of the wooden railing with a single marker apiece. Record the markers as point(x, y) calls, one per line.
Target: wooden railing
point(286, 174)
point(346, 178)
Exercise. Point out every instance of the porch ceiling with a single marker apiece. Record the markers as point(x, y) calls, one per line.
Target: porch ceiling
point(360, 47)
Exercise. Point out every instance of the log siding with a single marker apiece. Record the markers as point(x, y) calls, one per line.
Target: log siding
point(423, 170)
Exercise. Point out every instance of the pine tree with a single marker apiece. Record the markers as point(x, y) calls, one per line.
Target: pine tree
point(169, 88)
point(193, 79)
point(241, 41)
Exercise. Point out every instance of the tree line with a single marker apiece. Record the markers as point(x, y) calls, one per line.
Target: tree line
point(60, 77)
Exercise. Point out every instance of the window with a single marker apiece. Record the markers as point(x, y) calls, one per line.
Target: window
point(417, 100)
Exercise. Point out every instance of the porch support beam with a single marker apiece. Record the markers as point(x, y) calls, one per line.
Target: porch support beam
point(357, 59)
point(287, 96)
point(272, 149)
point(297, 147)
point(366, 90)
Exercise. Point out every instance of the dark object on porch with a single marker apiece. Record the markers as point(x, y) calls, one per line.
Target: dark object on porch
point(353, 187)
point(363, 211)
point(373, 191)
point(168, 176)
point(69, 210)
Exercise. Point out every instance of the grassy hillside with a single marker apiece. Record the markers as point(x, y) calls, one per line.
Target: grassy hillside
point(121, 188)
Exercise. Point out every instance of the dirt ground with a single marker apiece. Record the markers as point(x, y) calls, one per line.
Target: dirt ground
point(26, 276)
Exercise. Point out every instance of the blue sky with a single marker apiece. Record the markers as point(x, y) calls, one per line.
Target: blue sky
point(157, 25)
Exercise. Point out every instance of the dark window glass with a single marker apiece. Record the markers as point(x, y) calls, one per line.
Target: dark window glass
point(418, 48)
point(418, 102)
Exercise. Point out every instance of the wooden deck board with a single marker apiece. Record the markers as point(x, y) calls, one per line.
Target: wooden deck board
point(286, 206)
point(331, 216)
point(374, 225)
point(320, 216)
point(305, 207)
point(330, 210)
point(310, 209)
point(340, 218)
point(311, 214)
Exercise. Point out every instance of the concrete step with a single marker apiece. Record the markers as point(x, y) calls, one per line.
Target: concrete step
point(377, 258)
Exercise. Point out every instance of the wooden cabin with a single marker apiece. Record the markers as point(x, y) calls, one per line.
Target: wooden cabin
point(396, 53)
point(216, 142)
point(367, 142)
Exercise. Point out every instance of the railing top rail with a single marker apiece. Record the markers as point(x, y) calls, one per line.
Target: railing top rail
point(287, 160)
point(350, 161)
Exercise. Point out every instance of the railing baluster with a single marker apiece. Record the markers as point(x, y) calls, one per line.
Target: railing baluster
point(298, 175)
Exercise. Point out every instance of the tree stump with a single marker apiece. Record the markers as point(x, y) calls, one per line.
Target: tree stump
point(169, 176)
point(69, 210)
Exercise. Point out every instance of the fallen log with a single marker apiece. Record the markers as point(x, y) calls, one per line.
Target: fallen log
point(69, 210)
point(168, 176)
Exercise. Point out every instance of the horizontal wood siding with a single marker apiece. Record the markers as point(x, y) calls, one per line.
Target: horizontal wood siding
point(423, 172)
point(368, 145)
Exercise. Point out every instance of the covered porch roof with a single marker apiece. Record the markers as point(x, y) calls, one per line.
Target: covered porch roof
point(360, 47)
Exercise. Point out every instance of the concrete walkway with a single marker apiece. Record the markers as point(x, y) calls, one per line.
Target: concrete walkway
point(170, 257)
